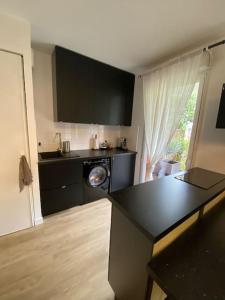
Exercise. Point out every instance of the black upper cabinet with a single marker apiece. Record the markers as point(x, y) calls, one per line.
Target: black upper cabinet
point(88, 91)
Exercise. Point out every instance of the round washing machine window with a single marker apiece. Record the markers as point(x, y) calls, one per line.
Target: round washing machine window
point(97, 176)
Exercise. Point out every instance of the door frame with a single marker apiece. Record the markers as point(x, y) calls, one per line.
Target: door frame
point(30, 187)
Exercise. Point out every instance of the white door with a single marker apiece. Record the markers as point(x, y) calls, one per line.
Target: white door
point(15, 209)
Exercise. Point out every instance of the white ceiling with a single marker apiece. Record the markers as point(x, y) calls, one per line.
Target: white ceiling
point(129, 34)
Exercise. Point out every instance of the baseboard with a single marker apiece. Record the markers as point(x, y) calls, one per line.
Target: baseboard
point(38, 221)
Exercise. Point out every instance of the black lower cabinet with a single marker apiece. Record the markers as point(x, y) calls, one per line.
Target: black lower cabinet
point(122, 171)
point(56, 174)
point(61, 198)
point(93, 194)
point(63, 183)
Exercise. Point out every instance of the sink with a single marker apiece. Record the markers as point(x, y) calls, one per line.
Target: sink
point(49, 155)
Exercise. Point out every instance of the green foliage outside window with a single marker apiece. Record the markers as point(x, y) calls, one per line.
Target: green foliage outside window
point(178, 147)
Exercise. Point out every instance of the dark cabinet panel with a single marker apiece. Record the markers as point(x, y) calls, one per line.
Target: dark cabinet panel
point(122, 171)
point(54, 175)
point(93, 194)
point(88, 91)
point(62, 198)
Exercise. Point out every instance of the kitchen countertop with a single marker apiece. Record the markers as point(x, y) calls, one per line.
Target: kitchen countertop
point(158, 206)
point(86, 154)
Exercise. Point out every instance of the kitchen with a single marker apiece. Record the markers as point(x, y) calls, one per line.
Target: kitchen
point(69, 172)
point(82, 210)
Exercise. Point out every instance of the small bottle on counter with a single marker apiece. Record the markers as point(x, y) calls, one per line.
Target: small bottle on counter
point(95, 143)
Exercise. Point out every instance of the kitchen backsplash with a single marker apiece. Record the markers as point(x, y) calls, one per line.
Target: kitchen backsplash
point(79, 135)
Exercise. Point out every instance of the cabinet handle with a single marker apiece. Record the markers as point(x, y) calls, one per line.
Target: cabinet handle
point(63, 186)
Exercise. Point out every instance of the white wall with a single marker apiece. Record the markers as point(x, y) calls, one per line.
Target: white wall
point(78, 134)
point(15, 37)
point(210, 150)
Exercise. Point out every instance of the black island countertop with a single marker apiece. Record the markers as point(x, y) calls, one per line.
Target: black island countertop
point(158, 206)
point(86, 154)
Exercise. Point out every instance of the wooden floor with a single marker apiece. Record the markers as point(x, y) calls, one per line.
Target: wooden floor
point(64, 258)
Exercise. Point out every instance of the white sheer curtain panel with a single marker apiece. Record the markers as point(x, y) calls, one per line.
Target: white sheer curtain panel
point(165, 95)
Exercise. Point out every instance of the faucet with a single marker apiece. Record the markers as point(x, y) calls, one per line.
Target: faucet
point(59, 136)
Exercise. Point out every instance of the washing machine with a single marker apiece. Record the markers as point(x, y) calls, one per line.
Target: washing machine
point(97, 173)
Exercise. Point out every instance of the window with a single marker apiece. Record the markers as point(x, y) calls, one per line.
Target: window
point(178, 150)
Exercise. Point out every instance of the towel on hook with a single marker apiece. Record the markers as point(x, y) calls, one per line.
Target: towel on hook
point(25, 175)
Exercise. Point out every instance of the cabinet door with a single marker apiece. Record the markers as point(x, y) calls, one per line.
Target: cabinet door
point(61, 198)
point(56, 174)
point(122, 171)
point(88, 91)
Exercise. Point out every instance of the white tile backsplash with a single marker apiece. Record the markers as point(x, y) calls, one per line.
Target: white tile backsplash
point(79, 135)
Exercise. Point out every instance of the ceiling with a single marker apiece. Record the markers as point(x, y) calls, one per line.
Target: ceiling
point(130, 34)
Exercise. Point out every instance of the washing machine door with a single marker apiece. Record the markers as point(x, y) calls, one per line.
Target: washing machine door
point(97, 176)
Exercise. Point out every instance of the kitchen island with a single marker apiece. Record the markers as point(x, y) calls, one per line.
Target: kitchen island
point(145, 219)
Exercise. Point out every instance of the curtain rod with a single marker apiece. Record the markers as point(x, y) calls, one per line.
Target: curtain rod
point(204, 49)
point(215, 45)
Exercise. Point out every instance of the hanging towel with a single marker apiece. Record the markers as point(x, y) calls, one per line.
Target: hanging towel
point(25, 175)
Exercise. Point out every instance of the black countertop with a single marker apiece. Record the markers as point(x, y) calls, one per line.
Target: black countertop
point(86, 154)
point(157, 207)
point(193, 266)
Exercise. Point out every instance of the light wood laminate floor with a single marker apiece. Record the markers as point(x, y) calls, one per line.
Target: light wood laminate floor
point(64, 258)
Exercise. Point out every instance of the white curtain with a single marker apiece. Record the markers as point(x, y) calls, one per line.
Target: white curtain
point(165, 94)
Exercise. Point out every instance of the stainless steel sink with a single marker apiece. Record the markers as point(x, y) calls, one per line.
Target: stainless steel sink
point(49, 155)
